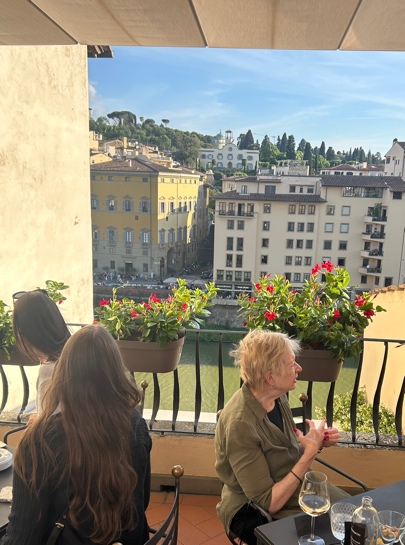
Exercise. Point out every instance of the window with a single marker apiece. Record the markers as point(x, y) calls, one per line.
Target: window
point(111, 204)
point(330, 210)
point(231, 224)
point(93, 177)
point(231, 208)
point(291, 208)
point(243, 189)
point(397, 195)
point(311, 209)
point(228, 260)
point(162, 233)
point(298, 260)
point(292, 188)
point(171, 207)
point(345, 210)
point(110, 178)
point(344, 227)
point(239, 244)
point(219, 156)
point(388, 281)
point(297, 277)
point(95, 264)
point(229, 243)
point(241, 225)
point(301, 209)
point(250, 209)
point(128, 235)
point(307, 261)
point(290, 226)
point(376, 281)
point(229, 276)
point(145, 267)
point(241, 209)
point(299, 244)
point(308, 244)
point(112, 264)
point(300, 227)
point(307, 276)
point(128, 205)
point(145, 180)
point(288, 259)
point(290, 243)
point(263, 259)
point(269, 189)
point(287, 276)
point(238, 276)
point(128, 178)
point(328, 227)
point(111, 234)
point(145, 237)
point(229, 156)
point(239, 261)
point(96, 233)
point(144, 207)
point(162, 207)
point(363, 279)
point(265, 242)
point(247, 276)
point(310, 227)
point(220, 274)
point(341, 262)
point(266, 208)
point(266, 226)
point(342, 244)
point(172, 236)
point(327, 245)
point(94, 203)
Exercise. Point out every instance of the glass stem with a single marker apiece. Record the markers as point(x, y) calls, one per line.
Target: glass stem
point(312, 538)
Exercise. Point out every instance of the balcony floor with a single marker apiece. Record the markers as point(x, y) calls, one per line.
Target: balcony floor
point(198, 521)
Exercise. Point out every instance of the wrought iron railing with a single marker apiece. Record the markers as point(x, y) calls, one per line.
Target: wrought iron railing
point(198, 426)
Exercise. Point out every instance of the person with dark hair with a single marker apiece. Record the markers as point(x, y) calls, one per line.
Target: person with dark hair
point(91, 460)
point(40, 333)
point(261, 458)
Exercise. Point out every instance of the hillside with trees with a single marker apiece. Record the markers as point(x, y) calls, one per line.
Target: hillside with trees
point(184, 145)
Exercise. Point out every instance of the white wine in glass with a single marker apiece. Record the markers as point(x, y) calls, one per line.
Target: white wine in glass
point(314, 500)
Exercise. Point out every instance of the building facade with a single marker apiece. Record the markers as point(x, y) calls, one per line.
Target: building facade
point(146, 218)
point(362, 169)
point(285, 225)
point(395, 159)
point(228, 155)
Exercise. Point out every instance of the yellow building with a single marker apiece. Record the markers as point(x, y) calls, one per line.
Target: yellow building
point(146, 218)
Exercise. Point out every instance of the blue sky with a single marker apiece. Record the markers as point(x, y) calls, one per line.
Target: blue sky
point(347, 99)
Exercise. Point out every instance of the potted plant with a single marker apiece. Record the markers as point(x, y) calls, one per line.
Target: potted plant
point(322, 315)
point(151, 334)
point(8, 351)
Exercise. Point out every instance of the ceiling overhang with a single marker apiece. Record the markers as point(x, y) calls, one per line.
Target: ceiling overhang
point(353, 25)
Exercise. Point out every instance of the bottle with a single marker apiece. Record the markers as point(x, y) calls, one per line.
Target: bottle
point(365, 524)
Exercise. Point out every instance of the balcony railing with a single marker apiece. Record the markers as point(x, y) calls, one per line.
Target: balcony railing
point(198, 425)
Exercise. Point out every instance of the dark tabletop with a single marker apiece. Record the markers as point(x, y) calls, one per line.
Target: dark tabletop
point(283, 532)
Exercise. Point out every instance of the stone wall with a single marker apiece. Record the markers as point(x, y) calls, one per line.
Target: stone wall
point(225, 313)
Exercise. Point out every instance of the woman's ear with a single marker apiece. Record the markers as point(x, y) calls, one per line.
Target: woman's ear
point(268, 378)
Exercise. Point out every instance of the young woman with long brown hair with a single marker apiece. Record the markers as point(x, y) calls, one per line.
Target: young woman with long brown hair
point(91, 460)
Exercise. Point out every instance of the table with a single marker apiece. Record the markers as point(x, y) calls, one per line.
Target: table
point(283, 532)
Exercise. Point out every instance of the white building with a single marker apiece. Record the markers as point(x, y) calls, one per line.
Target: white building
point(228, 155)
point(394, 159)
point(286, 225)
point(362, 169)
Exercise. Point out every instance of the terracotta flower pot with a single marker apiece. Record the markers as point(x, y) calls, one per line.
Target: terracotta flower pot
point(319, 366)
point(144, 357)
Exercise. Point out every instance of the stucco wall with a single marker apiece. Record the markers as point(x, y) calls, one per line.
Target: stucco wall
point(45, 225)
point(386, 325)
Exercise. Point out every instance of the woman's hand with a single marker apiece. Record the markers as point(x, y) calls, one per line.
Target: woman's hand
point(313, 440)
point(331, 437)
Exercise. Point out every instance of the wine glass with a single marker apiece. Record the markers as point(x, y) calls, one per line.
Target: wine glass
point(339, 514)
point(314, 500)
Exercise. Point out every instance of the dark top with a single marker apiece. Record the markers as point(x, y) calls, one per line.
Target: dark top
point(275, 416)
point(27, 527)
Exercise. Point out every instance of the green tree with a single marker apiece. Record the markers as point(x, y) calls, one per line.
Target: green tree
point(290, 147)
point(302, 145)
point(362, 155)
point(330, 154)
point(213, 163)
point(299, 156)
point(369, 157)
point(123, 118)
point(247, 141)
point(244, 164)
point(283, 143)
point(322, 149)
point(308, 156)
point(265, 150)
point(165, 122)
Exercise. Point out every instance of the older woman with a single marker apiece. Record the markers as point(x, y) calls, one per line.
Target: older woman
point(260, 456)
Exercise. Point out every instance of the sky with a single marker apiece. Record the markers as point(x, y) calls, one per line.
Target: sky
point(347, 99)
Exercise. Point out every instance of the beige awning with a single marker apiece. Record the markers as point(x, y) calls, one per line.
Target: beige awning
point(373, 25)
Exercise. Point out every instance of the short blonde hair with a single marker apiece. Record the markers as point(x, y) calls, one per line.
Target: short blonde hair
point(261, 352)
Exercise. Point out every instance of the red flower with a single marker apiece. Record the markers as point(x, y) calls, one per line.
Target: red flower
point(270, 315)
point(336, 315)
point(244, 324)
point(257, 286)
point(369, 313)
point(252, 299)
point(328, 266)
point(95, 321)
point(184, 306)
point(360, 301)
point(103, 303)
point(60, 301)
point(147, 307)
point(316, 269)
point(270, 289)
point(154, 298)
point(134, 314)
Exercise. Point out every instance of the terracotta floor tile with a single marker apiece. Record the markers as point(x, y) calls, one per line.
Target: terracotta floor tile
point(190, 534)
point(156, 514)
point(194, 499)
point(195, 514)
point(212, 527)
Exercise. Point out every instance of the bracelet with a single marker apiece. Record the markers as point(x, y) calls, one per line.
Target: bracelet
point(296, 476)
point(320, 450)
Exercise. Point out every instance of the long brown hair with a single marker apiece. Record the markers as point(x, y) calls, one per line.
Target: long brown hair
point(95, 396)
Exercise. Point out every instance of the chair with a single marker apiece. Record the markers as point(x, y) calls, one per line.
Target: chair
point(15, 430)
point(167, 533)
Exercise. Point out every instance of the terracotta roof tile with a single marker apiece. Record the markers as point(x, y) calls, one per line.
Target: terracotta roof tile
point(395, 183)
